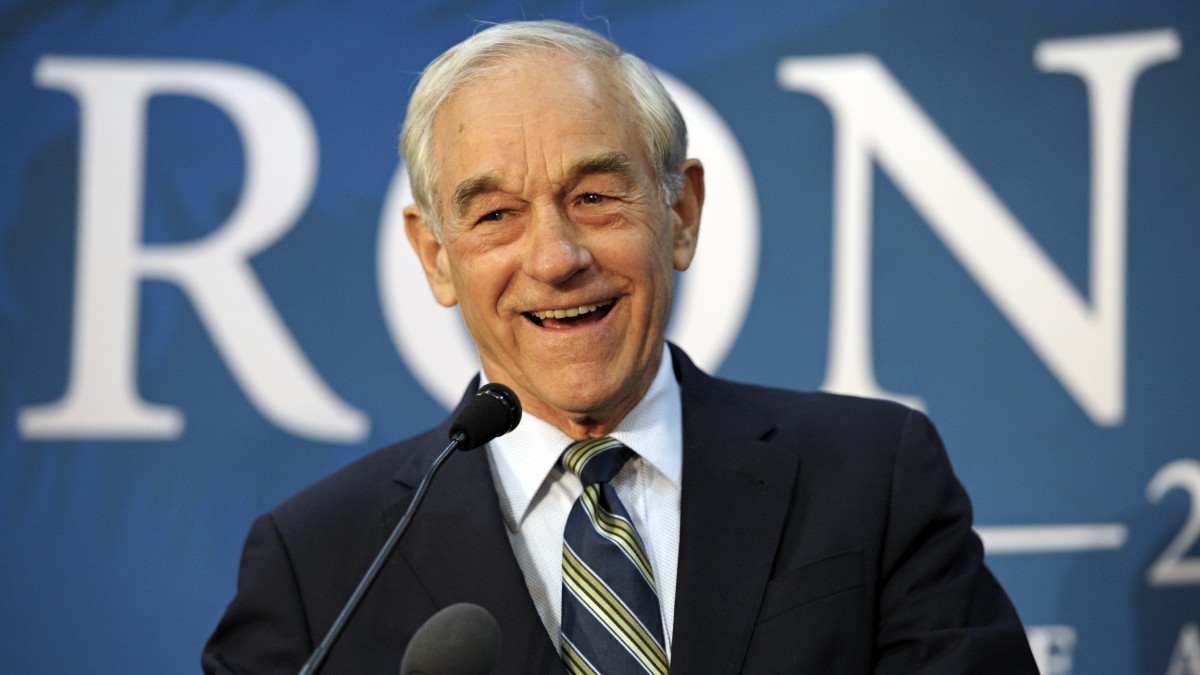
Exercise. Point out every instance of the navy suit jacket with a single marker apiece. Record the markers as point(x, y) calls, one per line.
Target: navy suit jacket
point(819, 534)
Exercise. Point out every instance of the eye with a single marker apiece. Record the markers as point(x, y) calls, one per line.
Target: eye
point(592, 198)
point(492, 217)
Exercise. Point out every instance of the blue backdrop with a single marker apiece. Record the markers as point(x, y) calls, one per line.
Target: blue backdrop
point(988, 209)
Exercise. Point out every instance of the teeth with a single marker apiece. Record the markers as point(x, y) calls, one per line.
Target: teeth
point(566, 313)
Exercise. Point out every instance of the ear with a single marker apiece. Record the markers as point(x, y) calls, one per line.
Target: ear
point(685, 218)
point(434, 258)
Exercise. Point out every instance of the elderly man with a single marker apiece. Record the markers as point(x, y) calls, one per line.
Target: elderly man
point(643, 516)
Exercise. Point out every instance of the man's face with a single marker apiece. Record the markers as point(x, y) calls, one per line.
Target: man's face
point(556, 243)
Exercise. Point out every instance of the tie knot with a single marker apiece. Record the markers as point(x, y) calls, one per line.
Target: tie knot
point(596, 461)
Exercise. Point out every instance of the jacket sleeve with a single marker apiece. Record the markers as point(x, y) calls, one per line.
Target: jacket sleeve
point(940, 609)
point(264, 629)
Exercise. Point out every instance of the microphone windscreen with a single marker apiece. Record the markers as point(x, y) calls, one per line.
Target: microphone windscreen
point(493, 412)
point(461, 639)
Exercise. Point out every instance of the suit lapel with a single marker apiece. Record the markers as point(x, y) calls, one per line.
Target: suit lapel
point(458, 549)
point(736, 490)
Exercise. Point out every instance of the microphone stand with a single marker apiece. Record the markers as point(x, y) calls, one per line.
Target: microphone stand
point(318, 656)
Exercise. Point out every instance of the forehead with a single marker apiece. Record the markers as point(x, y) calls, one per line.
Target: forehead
point(535, 111)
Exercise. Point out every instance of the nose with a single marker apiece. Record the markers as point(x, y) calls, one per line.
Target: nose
point(555, 252)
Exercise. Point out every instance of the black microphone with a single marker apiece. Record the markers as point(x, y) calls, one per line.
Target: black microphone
point(461, 639)
point(493, 412)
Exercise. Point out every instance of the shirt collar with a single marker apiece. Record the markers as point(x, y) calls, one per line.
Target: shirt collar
point(523, 458)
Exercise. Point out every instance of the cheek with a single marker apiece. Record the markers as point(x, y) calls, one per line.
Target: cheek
point(660, 253)
point(646, 261)
point(480, 282)
point(468, 285)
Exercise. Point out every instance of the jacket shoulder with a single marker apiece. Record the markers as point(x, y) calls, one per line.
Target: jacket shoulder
point(821, 422)
point(370, 484)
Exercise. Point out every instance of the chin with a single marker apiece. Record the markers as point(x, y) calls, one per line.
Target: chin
point(580, 391)
point(582, 406)
point(576, 399)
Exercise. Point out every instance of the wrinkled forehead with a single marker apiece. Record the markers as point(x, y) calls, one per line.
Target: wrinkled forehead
point(532, 80)
point(536, 102)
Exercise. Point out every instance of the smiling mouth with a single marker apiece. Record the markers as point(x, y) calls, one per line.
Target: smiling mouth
point(575, 316)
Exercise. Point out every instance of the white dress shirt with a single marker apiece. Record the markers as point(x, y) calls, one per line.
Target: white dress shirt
point(536, 495)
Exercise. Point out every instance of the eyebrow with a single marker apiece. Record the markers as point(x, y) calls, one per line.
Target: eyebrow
point(616, 163)
point(473, 187)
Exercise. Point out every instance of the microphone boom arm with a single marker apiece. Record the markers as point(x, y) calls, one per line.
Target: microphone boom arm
point(495, 410)
point(318, 656)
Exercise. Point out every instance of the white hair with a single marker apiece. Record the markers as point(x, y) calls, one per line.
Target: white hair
point(662, 128)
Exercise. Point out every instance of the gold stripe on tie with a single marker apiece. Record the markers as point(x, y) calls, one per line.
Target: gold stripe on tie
point(578, 455)
point(620, 532)
point(613, 613)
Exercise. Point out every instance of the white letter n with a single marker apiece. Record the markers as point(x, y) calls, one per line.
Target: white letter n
point(102, 400)
point(1082, 344)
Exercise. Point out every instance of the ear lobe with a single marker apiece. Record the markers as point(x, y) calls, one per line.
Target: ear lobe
point(685, 217)
point(432, 253)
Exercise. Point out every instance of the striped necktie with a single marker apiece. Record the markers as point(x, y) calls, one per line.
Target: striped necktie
point(610, 616)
